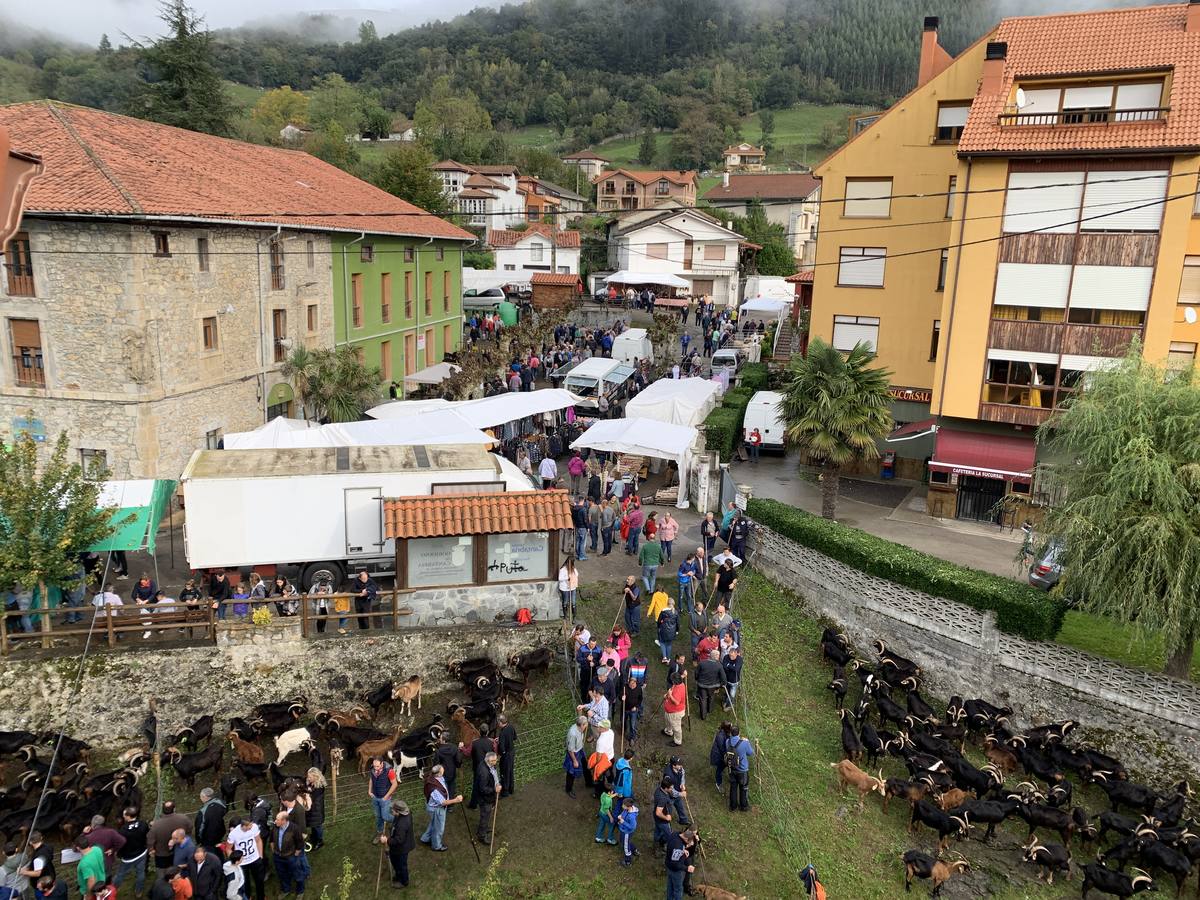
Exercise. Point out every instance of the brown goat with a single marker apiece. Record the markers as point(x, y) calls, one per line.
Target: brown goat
point(352, 716)
point(850, 774)
point(467, 733)
point(910, 791)
point(407, 691)
point(368, 750)
point(246, 751)
point(998, 756)
point(954, 797)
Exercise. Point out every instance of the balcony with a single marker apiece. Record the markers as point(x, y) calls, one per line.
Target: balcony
point(1016, 334)
point(1060, 337)
point(27, 368)
point(1012, 414)
point(1107, 116)
point(1099, 340)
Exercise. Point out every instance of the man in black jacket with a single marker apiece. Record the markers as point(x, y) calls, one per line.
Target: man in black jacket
point(678, 864)
point(710, 677)
point(204, 872)
point(400, 843)
point(480, 748)
point(449, 757)
point(209, 826)
point(366, 597)
point(732, 664)
point(506, 744)
point(487, 786)
point(219, 591)
point(132, 857)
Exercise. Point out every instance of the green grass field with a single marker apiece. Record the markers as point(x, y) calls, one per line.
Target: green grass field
point(243, 96)
point(1126, 644)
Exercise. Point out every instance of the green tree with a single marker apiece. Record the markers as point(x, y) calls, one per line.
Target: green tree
point(832, 136)
point(406, 172)
point(105, 46)
point(333, 385)
point(330, 144)
point(834, 408)
point(478, 258)
point(554, 108)
point(48, 514)
point(698, 142)
point(776, 256)
point(647, 148)
point(1126, 452)
point(367, 33)
point(376, 122)
point(453, 124)
point(280, 107)
point(184, 88)
point(766, 121)
point(334, 100)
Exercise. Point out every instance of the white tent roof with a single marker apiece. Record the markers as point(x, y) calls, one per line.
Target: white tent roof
point(435, 374)
point(683, 401)
point(400, 409)
point(645, 437)
point(275, 433)
point(435, 427)
point(628, 276)
point(511, 406)
point(770, 305)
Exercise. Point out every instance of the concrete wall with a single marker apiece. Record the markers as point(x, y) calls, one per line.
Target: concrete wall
point(249, 665)
point(1149, 721)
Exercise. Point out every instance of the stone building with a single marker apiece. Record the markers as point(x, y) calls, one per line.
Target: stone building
point(160, 279)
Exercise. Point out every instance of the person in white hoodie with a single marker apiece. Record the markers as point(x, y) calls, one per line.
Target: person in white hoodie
point(235, 879)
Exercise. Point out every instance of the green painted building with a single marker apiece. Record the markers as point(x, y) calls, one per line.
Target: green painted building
point(398, 299)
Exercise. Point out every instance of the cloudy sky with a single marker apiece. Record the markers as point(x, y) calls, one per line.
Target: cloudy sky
point(86, 20)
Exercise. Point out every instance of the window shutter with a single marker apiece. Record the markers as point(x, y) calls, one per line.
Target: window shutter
point(869, 198)
point(1099, 97)
point(1044, 102)
point(25, 332)
point(1189, 285)
point(1031, 284)
point(1111, 287)
point(1113, 196)
point(953, 116)
point(1139, 96)
point(1042, 201)
point(862, 266)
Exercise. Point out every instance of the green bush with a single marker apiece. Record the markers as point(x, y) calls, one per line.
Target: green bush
point(1019, 609)
point(721, 430)
point(754, 377)
point(737, 399)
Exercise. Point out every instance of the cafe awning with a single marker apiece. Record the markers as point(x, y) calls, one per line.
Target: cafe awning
point(912, 431)
point(146, 501)
point(1003, 456)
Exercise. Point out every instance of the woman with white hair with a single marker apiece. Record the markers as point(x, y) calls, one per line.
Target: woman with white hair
point(314, 787)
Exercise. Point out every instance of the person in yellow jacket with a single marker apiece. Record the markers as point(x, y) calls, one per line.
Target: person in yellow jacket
point(657, 604)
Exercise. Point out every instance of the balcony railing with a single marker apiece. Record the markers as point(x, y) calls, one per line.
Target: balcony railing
point(1086, 116)
point(1099, 340)
point(1013, 414)
point(28, 370)
point(1062, 337)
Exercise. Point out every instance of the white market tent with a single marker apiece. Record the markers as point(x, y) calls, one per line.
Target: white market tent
point(644, 437)
point(435, 374)
point(683, 401)
point(770, 306)
point(276, 433)
point(435, 427)
point(488, 412)
point(400, 409)
point(628, 276)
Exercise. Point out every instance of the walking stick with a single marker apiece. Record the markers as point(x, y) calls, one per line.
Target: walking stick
point(335, 764)
point(470, 834)
point(495, 813)
point(379, 870)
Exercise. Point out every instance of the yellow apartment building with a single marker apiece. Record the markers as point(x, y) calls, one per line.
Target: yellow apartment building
point(1015, 222)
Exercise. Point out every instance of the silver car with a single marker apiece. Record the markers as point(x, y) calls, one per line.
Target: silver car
point(1046, 572)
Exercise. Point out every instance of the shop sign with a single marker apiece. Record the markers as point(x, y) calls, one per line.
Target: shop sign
point(440, 561)
point(916, 395)
point(518, 557)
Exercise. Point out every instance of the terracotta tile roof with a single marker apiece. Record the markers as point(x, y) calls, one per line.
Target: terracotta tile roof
point(98, 163)
point(649, 177)
point(449, 165)
point(744, 150)
point(475, 194)
point(586, 154)
point(504, 169)
point(458, 514)
point(804, 276)
point(783, 186)
point(1103, 42)
point(560, 279)
point(503, 237)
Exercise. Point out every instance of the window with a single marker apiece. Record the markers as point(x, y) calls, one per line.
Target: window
point(385, 360)
point(385, 297)
point(564, 270)
point(941, 279)
point(951, 189)
point(1032, 284)
point(162, 243)
point(868, 198)
point(518, 557)
point(851, 330)
point(1124, 201)
point(1028, 381)
point(934, 337)
point(714, 251)
point(656, 251)
point(1127, 318)
point(429, 293)
point(356, 299)
point(1045, 202)
point(535, 251)
point(92, 460)
point(447, 339)
point(1181, 355)
point(279, 333)
point(440, 561)
point(1189, 285)
point(663, 188)
point(1028, 314)
point(313, 318)
point(279, 410)
point(277, 280)
point(440, 254)
point(410, 254)
point(861, 266)
point(510, 267)
point(1089, 103)
point(212, 439)
point(19, 264)
point(208, 332)
point(28, 367)
point(408, 295)
point(951, 117)
point(202, 254)
point(310, 253)
point(366, 253)
point(610, 187)
point(446, 291)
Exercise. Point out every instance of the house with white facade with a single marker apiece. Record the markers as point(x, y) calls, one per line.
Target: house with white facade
point(588, 163)
point(744, 156)
point(487, 195)
point(790, 199)
point(685, 243)
point(539, 248)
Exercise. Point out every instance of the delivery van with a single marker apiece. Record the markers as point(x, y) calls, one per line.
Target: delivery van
point(631, 345)
point(765, 414)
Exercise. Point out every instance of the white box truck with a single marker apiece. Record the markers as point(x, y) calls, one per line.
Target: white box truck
point(764, 414)
point(631, 345)
point(317, 513)
point(772, 286)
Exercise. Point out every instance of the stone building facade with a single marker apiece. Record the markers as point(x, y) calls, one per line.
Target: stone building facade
point(156, 341)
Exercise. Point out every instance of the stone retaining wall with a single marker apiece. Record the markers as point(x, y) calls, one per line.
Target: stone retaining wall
point(480, 604)
point(1150, 721)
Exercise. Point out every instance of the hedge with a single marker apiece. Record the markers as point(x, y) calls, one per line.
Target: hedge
point(1019, 608)
point(755, 377)
point(721, 430)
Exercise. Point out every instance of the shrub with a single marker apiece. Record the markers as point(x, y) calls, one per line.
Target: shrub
point(755, 377)
point(1019, 609)
point(721, 431)
point(737, 399)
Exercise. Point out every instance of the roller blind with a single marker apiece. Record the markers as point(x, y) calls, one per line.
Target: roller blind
point(851, 330)
point(953, 116)
point(1086, 363)
point(1124, 201)
point(1111, 287)
point(1043, 201)
point(1189, 285)
point(1025, 356)
point(869, 198)
point(25, 332)
point(1088, 97)
point(862, 266)
point(1041, 101)
point(1139, 96)
point(1031, 284)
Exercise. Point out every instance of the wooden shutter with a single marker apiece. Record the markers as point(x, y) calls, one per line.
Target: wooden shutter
point(26, 333)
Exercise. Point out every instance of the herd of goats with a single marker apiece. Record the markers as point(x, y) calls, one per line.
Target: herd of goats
point(71, 794)
point(948, 794)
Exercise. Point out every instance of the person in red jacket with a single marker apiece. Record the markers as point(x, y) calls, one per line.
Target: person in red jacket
point(754, 442)
point(674, 706)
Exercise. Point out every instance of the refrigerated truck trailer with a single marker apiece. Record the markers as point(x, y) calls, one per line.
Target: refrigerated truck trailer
point(317, 513)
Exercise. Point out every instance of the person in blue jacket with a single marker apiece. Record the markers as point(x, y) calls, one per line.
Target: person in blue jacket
point(627, 824)
point(738, 751)
point(623, 783)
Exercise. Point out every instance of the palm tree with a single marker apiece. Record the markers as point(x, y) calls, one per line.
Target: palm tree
point(835, 407)
point(332, 383)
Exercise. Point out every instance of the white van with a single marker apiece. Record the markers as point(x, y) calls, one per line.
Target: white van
point(597, 376)
point(632, 344)
point(765, 414)
point(727, 358)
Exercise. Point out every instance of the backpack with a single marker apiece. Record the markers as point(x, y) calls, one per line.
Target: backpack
point(808, 877)
point(524, 616)
point(731, 757)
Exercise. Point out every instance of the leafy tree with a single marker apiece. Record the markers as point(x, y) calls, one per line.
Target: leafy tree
point(776, 256)
point(662, 333)
point(698, 142)
point(1126, 451)
point(647, 148)
point(832, 136)
point(834, 408)
point(48, 514)
point(330, 144)
point(184, 87)
point(280, 107)
point(478, 258)
point(451, 123)
point(376, 122)
point(781, 90)
point(554, 108)
point(105, 46)
point(367, 33)
point(333, 385)
point(766, 121)
point(334, 100)
point(406, 172)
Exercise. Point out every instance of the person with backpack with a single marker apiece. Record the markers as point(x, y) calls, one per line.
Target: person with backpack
point(738, 751)
point(668, 628)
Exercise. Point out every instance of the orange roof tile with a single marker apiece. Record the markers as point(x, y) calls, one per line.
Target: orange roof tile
point(744, 150)
point(766, 186)
point(458, 514)
point(1103, 43)
point(586, 154)
point(99, 163)
point(804, 276)
point(647, 177)
point(559, 279)
point(503, 237)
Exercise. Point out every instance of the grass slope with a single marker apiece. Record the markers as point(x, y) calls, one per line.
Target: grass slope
point(1126, 644)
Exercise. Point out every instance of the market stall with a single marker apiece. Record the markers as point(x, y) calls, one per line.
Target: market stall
point(276, 433)
point(633, 279)
point(436, 426)
point(766, 306)
point(682, 401)
point(137, 508)
point(644, 437)
point(435, 374)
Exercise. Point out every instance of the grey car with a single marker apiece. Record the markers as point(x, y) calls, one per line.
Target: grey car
point(1047, 570)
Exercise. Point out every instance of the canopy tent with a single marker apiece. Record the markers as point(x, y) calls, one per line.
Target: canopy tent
point(628, 276)
point(683, 401)
point(402, 409)
point(513, 406)
point(770, 306)
point(146, 500)
point(644, 437)
point(434, 374)
point(273, 434)
point(436, 426)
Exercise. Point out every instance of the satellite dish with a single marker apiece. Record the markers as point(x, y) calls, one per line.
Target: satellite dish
point(1189, 315)
point(1022, 101)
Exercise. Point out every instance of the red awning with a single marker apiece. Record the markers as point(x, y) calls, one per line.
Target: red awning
point(984, 455)
point(913, 430)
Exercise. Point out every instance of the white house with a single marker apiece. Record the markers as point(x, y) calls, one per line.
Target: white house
point(532, 250)
point(744, 156)
point(487, 195)
point(790, 199)
point(588, 163)
point(685, 243)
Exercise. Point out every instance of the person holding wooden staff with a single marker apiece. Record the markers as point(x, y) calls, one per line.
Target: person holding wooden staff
point(487, 789)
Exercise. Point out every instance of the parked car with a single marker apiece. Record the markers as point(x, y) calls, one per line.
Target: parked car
point(728, 358)
point(1046, 572)
point(487, 299)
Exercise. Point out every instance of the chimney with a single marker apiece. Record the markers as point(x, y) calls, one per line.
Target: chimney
point(725, 180)
point(934, 60)
point(992, 79)
point(1193, 16)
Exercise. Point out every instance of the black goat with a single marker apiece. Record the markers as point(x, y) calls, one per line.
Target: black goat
point(969, 778)
point(1154, 854)
point(1103, 764)
point(1054, 732)
point(836, 654)
point(351, 736)
point(298, 703)
point(1060, 794)
point(1169, 811)
point(852, 748)
point(983, 715)
point(922, 865)
point(991, 812)
point(1127, 793)
point(229, 785)
point(466, 670)
point(189, 765)
point(477, 711)
point(871, 742)
point(12, 741)
point(838, 685)
point(537, 660)
point(945, 824)
point(244, 729)
point(193, 735)
point(1115, 822)
point(895, 665)
point(279, 780)
point(1051, 857)
point(251, 771)
point(889, 711)
point(379, 697)
point(278, 721)
point(1117, 884)
point(917, 707)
